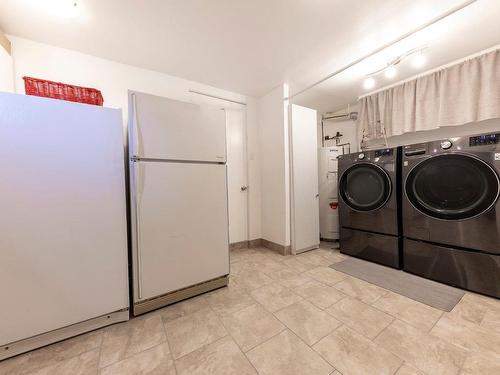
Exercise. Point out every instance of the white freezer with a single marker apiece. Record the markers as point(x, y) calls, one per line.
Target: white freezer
point(172, 130)
point(63, 235)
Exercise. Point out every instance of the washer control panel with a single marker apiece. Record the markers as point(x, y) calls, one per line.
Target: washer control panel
point(445, 145)
point(487, 139)
point(361, 156)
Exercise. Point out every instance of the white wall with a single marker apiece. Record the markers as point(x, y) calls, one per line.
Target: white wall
point(114, 79)
point(348, 128)
point(274, 167)
point(6, 73)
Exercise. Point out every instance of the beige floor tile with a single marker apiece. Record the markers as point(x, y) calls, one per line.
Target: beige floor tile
point(312, 258)
point(408, 370)
point(475, 364)
point(491, 321)
point(274, 297)
point(360, 289)
point(293, 263)
point(242, 255)
point(154, 361)
point(319, 294)
point(227, 300)
point(326, 275)
point(334, 256)
point(182, 308)
point(353, 354)
point(467, 335)
point(360, 316)
point(52, 354)
point(123, 340)
point(289, 277)
point(286, 354)
point(83, 364)
point(266, 265)
point(236, 267)
point(307, 321)
point(469, 308)
point(191, 332)
point(428, 353)
point(252, 326)
point(251, 279)
point(412, 312)
point(222, 357)
point(14, 365)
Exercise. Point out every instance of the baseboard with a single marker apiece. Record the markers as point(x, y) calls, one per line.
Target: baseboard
point(280, 249)
point(260, 242)
point(239, 245)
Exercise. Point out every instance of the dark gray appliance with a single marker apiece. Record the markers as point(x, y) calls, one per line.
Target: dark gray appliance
point(369, 204)
point(451, 211)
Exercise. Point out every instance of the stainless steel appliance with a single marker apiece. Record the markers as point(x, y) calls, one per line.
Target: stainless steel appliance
point(369, 205)
point(178, 200)
point(451, 211)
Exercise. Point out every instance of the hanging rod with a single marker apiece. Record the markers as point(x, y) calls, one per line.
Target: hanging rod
point(217, 97)
point(377, 50)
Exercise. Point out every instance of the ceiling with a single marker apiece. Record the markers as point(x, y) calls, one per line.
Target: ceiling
point(246, 46)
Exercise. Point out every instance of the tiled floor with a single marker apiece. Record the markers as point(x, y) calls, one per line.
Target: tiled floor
point(286, 315)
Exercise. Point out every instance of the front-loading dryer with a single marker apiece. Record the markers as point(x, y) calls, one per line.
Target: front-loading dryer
point(451, 211)
point(369, 190)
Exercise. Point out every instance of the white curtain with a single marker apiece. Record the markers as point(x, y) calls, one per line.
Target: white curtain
point(463, 93)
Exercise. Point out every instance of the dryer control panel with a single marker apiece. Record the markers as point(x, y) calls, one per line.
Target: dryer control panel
point(486, 139)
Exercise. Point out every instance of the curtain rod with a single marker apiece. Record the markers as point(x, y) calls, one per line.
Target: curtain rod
point(381, 48)
point(217, 97)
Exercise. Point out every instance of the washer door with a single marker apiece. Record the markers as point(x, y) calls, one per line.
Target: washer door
point(365, 187)
point(452, 187)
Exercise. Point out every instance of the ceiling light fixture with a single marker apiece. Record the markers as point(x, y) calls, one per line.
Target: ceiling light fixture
point(369, 83)
point(418, 60)
point(412, 32)
point(390, 72)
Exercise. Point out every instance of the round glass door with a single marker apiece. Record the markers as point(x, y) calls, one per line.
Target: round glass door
point(365, 187)
point(452, 187)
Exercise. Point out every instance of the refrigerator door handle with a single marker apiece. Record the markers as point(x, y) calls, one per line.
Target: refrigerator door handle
point(135, 128)
point(136, 170)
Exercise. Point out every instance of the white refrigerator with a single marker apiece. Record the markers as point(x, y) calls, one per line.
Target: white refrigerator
point(179, 214)
point(63, 229)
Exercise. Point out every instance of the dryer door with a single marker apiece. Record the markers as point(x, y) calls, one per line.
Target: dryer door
point(365, 187)
point(452, 187)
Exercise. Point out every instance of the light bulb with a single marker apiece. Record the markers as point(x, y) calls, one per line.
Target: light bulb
point(418, 60)
point(369, 83)
point(390, 72)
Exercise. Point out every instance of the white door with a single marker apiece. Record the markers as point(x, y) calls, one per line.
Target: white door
point(237, 175)
point(304, 179)
point(181, 212)
point(173, 130)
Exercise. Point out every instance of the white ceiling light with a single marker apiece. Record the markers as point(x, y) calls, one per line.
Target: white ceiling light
point(418, 60)
point(369, 83)
point(390, 72)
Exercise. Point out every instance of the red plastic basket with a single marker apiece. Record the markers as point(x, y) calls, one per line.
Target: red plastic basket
point(58, 90)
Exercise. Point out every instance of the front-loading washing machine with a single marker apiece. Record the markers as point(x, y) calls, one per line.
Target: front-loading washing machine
point(451, 211)
point(369, 205)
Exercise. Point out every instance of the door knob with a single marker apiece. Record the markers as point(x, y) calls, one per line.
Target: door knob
point(317, 195)
point(243, 188)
